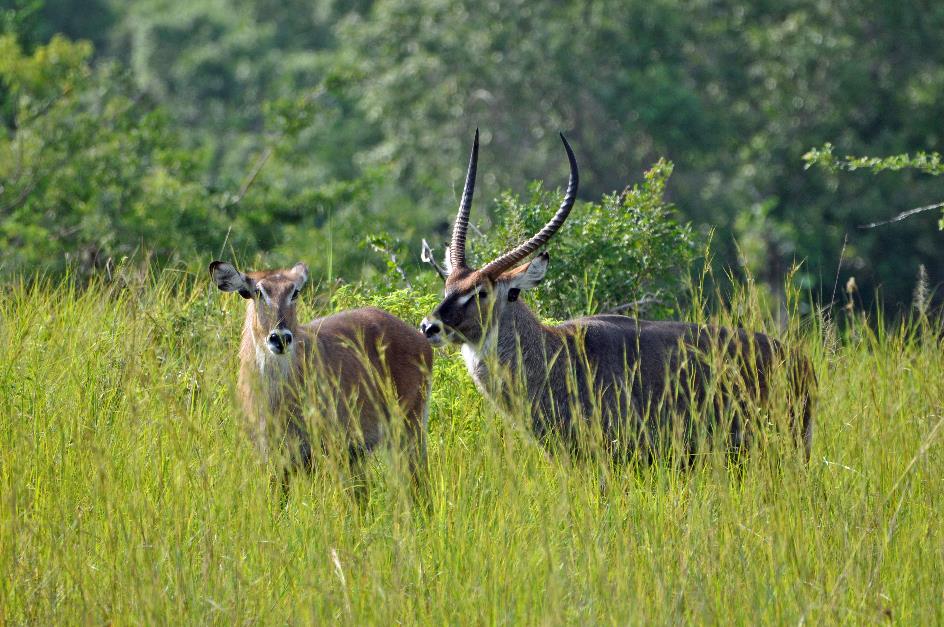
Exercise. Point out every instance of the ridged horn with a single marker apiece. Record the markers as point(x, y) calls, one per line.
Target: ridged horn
point(457, 249)
point(512, 257)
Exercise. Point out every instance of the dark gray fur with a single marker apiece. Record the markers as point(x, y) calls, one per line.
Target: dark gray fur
point(642, 379)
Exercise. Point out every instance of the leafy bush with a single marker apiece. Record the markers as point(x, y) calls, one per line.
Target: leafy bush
point(929, 163)
point(89, 171)
point(626, 252)
point(92, 170)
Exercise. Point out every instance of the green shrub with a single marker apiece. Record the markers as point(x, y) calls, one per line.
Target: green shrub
point(626, 252)
point(89, 170)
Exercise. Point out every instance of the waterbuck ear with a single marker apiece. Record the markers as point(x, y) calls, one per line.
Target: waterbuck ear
point(301, 271)
point(229, 279)
point(427, 256)
point(527, 275)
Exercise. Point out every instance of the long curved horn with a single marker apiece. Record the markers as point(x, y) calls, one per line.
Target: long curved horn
point(511, 258)
point(457, 249)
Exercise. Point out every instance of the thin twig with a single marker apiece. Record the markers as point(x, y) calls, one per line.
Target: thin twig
point(902, 216)
point(476, 230)
point(30, 187)
point(648, 299)
point(845, 240)
point(20, 198)
point(623, 195)
point(43, 109)
point(251, 178)
point(381, 247)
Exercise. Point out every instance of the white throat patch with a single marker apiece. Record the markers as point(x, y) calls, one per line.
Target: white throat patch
point(474, 355)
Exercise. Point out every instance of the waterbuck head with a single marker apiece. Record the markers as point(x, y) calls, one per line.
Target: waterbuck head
point(474, 299)
point(273, 294)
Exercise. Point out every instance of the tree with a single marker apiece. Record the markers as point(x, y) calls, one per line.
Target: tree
point(89, 170)
point(734, 93)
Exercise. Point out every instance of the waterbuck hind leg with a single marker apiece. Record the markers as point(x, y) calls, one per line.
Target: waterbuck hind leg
point(408, 448)
point(801, 400)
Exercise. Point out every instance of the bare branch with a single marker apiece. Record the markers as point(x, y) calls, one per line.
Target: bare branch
point(637, 305)
point(382, 247)
point(20, 198)
point(904, 215)
point(429, 257)
point(250, 178)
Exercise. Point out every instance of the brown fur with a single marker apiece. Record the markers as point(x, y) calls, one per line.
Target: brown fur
point(348, 379)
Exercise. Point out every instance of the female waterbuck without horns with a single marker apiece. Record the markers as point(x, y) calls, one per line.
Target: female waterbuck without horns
point(353, 379)
point(640, 385)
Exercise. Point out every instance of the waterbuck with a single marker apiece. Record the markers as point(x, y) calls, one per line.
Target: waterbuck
point(351, 379)
point(642, 385)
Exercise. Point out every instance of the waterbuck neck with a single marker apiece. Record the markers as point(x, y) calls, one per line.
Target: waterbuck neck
point(518, 342)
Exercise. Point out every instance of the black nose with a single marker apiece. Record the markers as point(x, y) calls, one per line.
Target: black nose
point(279, 340)
point(429, 329)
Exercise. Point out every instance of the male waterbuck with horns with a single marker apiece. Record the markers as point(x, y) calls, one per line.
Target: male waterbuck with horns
point(348, 380)
point(642, 385)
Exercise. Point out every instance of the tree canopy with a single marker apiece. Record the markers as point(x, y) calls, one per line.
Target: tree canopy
point(305, 128)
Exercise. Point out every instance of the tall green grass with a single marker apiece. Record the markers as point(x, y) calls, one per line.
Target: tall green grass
point(129, 493)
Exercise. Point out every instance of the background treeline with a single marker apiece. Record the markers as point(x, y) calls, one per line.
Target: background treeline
point(338, 132)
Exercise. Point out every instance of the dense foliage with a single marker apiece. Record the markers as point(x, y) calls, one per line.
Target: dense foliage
point(308, 127)
point(625, 253)
point(90, 169)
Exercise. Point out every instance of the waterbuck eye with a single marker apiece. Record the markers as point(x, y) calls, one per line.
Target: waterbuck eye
point(483, 294)
point(295, 294)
